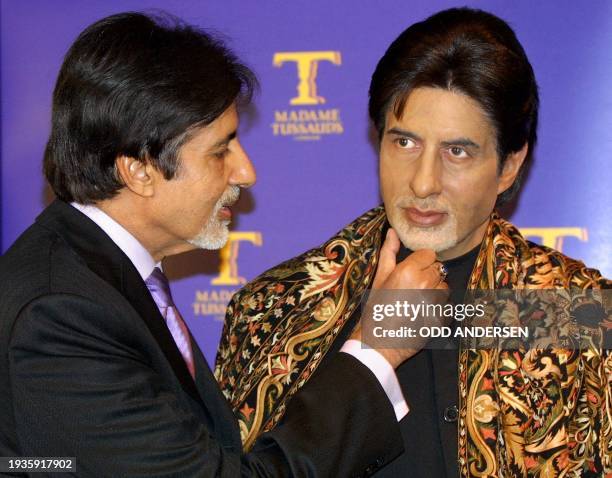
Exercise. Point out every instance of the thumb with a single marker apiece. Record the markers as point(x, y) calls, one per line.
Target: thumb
point(387, 259)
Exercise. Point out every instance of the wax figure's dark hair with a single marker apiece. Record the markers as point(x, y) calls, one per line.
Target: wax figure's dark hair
point(135, 85)
point(471, 52)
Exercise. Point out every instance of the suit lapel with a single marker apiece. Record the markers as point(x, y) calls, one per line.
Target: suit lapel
point(109, 262)
point(139, 296)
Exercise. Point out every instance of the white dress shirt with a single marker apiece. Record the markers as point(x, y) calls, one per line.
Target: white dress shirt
point(144, 263)
point(131, 247)
point(384, 373)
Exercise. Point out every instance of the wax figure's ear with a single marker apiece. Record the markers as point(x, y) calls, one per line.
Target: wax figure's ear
point(511, 168)
point(138, 176)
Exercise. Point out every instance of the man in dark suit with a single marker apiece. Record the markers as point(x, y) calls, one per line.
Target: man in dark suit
point(96, 362)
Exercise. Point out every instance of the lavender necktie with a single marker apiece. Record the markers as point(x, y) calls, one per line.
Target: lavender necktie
point(158, 285)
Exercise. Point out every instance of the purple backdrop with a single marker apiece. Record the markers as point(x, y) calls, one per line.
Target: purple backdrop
point(316, 167)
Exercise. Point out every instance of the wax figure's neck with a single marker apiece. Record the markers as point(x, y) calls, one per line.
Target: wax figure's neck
point(137, 215)
point(459, 270)
point(472, 240)
point(467, 257)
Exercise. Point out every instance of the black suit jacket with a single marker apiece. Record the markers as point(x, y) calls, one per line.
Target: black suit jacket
point(89, 369)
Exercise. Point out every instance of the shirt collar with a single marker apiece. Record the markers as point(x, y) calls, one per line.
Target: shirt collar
point(131, 247)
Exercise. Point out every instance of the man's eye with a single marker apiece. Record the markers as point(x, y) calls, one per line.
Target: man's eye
point(405, 143)
point(458, 152)
point(221, 154)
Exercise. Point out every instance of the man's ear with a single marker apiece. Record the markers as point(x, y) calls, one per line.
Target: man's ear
point(138, 176)
point(511, 168)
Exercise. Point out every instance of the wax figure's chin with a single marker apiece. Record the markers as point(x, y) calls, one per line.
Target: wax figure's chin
point(439, 237)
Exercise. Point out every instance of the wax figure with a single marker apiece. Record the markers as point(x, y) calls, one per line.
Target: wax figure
point(96, 362)
point(455, 103)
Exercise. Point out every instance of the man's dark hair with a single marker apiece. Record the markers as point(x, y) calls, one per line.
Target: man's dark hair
point(471, 52)
point(134, 85)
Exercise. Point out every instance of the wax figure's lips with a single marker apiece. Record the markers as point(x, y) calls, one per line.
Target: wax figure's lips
point(424, 218)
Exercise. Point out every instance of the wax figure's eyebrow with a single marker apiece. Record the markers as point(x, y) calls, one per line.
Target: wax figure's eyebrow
point(225, 141)
point(466, 142)
point(403, 132)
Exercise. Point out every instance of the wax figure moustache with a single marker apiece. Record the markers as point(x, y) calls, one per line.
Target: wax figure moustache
point(455, 103)
point(96, 361)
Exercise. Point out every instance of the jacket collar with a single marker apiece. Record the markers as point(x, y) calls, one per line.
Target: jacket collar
point(107, 260)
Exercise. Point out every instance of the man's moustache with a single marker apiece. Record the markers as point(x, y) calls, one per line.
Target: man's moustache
point(230, 197)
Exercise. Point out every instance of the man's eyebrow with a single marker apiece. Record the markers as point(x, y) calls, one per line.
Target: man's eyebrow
point(467, 142)
point(225, 141)
point(403, 132)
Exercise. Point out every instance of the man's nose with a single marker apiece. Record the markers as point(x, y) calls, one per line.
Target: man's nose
point(243, 172)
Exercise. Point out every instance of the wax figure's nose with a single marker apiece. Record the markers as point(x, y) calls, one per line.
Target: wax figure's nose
point(426, 179)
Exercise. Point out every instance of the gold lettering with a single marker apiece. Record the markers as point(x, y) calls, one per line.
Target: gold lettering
point(280, 116)
point(328, 115)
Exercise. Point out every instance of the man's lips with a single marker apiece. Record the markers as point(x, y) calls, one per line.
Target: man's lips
point(424, 218)
point(225, 213)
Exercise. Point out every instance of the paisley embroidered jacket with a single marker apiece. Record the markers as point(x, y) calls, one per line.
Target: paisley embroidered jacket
point(539, 412)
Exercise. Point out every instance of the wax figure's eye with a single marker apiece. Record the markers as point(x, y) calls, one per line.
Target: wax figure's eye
point(405, 143)
point(458, 152)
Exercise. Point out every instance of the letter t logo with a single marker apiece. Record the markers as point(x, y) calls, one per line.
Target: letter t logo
point(307, 66)
point(228, 269)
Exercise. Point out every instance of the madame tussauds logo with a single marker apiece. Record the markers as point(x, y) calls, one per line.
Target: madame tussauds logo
point(212, 302)
point(303, 123)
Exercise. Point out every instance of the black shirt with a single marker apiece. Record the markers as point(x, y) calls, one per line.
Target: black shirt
point(430, 385)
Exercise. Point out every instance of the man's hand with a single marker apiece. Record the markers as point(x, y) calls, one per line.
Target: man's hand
point(420, 270)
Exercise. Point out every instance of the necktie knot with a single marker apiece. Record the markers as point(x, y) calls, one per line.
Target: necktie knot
point(158, 285)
